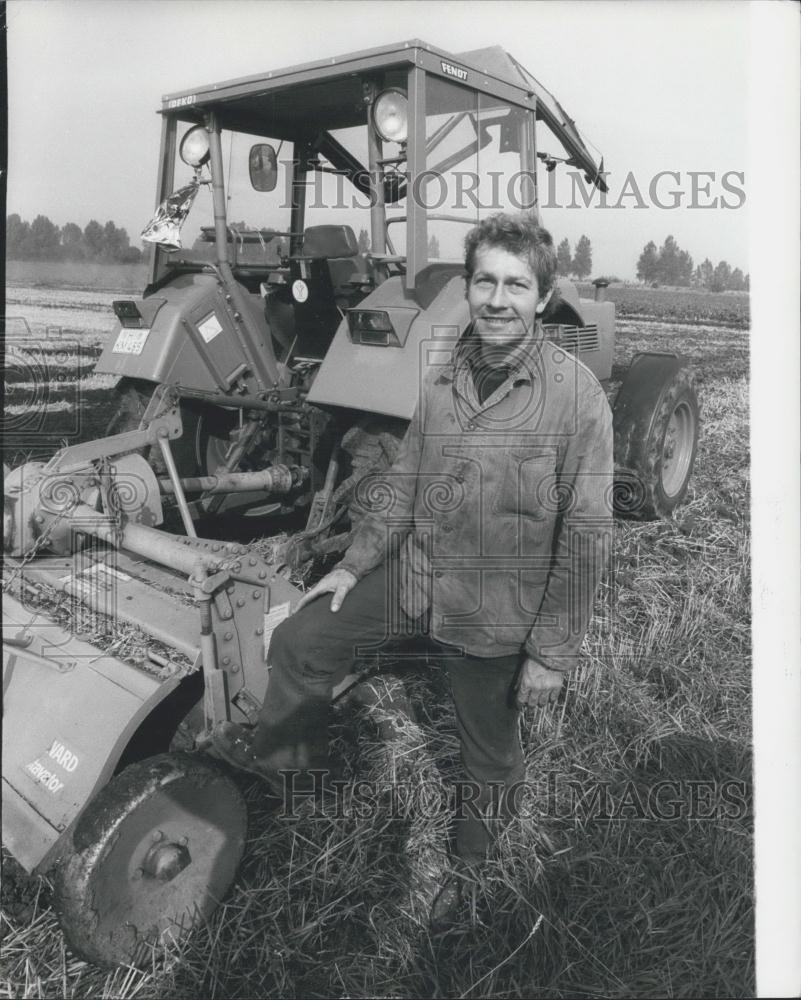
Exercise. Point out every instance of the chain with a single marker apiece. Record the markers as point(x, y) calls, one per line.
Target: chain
point(111, 506)
point(39, 544)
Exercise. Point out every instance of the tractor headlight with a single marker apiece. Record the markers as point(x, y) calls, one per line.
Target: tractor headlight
point(371, 326)
point(391, 115)
point(194, 149)
point(376, 328)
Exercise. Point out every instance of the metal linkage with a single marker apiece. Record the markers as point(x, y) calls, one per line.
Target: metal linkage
point(177, 488)
point(163, 422)
point(277, 479)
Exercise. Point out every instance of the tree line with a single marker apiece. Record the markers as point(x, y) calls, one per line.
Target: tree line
point(42, 239)
point(670, 265)
point(579, 263)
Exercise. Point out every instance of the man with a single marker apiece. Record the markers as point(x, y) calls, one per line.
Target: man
point(490, 540)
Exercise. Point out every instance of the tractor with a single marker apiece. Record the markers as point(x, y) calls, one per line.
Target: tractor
point(271, 363)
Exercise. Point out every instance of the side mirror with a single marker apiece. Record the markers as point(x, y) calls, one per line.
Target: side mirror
point(263, 167)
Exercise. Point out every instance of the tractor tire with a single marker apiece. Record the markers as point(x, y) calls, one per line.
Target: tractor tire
point(656, 439)
point(203, 444)
point(150, 858)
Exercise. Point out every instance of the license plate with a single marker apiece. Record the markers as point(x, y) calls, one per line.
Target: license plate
point(130, 341)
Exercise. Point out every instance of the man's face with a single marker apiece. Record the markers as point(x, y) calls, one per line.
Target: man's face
point(503, 296)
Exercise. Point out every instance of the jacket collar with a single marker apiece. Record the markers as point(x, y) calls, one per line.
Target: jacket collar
point(523, 361)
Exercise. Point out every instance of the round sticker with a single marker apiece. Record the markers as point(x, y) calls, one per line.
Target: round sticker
point(300, 290)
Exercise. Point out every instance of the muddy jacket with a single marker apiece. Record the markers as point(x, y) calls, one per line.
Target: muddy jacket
point(500, 512)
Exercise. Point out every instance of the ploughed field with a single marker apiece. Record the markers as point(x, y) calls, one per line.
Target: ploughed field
point(680, 305)
point(630, 873)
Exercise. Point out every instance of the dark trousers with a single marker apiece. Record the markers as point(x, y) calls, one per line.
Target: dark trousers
point(313, 650)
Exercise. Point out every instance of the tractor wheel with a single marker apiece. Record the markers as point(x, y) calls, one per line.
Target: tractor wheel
point(656, 439)
point(204, 442)
point(150, 858)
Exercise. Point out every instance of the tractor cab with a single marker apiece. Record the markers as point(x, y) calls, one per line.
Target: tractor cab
point(327, 180)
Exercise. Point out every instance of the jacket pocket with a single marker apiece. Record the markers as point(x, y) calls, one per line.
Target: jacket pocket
point(520, 598)
point(526, 485)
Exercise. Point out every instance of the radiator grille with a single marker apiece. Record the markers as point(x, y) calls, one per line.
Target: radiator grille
point(574, 339)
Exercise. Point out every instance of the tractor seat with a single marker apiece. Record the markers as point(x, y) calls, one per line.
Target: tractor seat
point(329, 241)
point(328, 273)
point(339, 248)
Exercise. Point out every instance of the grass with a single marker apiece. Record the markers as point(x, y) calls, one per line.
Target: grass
point(578, 901)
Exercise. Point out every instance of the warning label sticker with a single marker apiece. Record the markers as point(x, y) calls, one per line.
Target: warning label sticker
point(209, 328)
point(90, 573)
point(272, 619)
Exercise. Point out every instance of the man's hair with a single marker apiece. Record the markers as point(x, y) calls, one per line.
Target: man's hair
point(518, 234)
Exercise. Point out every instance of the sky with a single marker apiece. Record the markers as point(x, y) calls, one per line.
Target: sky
point(656, 86)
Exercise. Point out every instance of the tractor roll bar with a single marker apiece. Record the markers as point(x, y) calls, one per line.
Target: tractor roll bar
point(261, 362)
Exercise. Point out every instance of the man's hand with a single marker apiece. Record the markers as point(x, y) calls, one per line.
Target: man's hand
point(338, 581)
point(537, 685)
